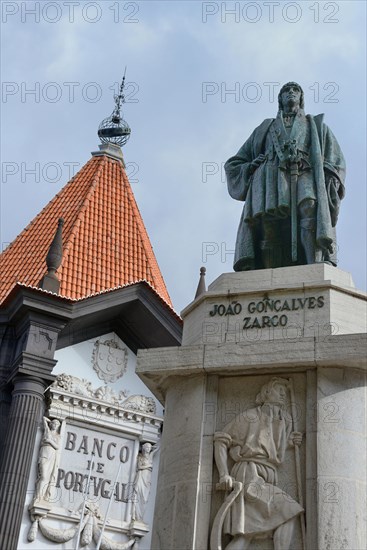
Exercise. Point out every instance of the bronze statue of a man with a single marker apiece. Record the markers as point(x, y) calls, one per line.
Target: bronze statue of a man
point(290, 173)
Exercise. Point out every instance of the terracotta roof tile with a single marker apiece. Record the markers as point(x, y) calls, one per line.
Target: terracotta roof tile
point(105, 242)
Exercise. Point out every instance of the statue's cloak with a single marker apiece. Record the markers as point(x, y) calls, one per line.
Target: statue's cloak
point(256, 443)
point(266, 190)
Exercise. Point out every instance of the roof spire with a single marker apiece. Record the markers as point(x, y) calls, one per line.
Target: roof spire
point(201, 286)
point(114, 129)
point(53, 260)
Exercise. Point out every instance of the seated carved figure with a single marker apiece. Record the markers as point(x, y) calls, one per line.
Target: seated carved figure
point(255, 443)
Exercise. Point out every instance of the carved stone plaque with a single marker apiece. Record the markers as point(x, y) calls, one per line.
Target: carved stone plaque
point(110, 453)
point(94, 466)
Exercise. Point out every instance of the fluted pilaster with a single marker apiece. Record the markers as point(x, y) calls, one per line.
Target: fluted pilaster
point(24, 416)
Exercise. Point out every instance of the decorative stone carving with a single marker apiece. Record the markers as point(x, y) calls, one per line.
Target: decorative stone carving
point(109, 360)
point(72, 384)
point(99, 457)
point(247, 454)
point(142, 482)
point(56, 535)
point(47, 459)
point(87, 529)
point(105, 393)
point(138, 403)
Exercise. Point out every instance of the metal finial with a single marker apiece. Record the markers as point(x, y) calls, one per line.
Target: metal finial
point(201, 286)
point(53, 260)
point(114, 129)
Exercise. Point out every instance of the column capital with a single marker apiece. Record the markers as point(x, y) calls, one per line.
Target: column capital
point(32, 367)
point(28, 384)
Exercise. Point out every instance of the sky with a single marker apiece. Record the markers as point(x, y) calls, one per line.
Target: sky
point(200, 77)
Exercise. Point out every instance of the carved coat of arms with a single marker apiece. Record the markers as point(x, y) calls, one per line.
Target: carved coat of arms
point(109, 360)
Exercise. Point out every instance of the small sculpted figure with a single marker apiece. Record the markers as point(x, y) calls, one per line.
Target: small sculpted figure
point(143, 479)
point(247, 453)
point(47, 459)
point(290, 173)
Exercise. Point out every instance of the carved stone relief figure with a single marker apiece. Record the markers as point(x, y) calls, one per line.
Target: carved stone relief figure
point(142, 482)
point(248, 452)
point(47, 459)
point(47, 464)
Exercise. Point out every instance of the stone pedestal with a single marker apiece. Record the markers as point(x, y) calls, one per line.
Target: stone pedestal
point(305, 325)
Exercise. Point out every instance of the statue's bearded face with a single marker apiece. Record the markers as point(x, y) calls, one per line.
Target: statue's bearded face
point(291, 96)
point(277, 395)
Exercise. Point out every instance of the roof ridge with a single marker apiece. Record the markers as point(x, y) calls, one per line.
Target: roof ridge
point(146, 243)
point(47, 205)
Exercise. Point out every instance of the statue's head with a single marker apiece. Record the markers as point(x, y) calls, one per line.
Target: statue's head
point(55, 425)
point(274, 391)
point(291, 88)
point(146, 448)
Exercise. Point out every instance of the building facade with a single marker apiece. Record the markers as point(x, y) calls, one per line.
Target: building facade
point(81, 292)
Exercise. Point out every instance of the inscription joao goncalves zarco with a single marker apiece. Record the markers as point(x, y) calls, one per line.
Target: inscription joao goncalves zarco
point(268, 312)
point(107, 455)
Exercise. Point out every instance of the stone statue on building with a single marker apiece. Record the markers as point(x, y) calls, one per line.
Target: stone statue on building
point(142, 481)
point(290, 173)
point(47, 459)
point(247, 453)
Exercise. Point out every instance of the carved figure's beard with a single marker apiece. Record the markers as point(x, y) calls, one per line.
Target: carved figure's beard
point(292, 105)
point(280, 404)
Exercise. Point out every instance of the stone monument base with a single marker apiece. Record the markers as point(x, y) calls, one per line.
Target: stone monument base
point(305, 325)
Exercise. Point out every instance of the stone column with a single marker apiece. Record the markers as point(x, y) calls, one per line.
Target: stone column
point(175, 510)
point(341, 458)
point(25, 413)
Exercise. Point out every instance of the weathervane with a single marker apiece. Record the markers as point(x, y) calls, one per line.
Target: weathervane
point(114, 129)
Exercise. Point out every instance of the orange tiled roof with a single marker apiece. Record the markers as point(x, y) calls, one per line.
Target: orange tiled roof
point(105, 242)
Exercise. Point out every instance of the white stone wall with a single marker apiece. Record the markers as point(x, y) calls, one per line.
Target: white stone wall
point(77, 361)
point(207, 381)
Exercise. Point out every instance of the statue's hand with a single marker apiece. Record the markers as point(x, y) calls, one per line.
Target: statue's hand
point(296, 438)
point(259, 160)
point(225, 483)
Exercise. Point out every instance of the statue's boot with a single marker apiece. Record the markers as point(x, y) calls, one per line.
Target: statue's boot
point(271, 253)
point(308, 239)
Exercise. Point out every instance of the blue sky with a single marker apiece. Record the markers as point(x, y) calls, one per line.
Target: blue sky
point(183, 60)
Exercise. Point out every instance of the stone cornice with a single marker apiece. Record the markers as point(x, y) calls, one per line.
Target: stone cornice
point(33, 302)
point(65, 405)
point(156, 366)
